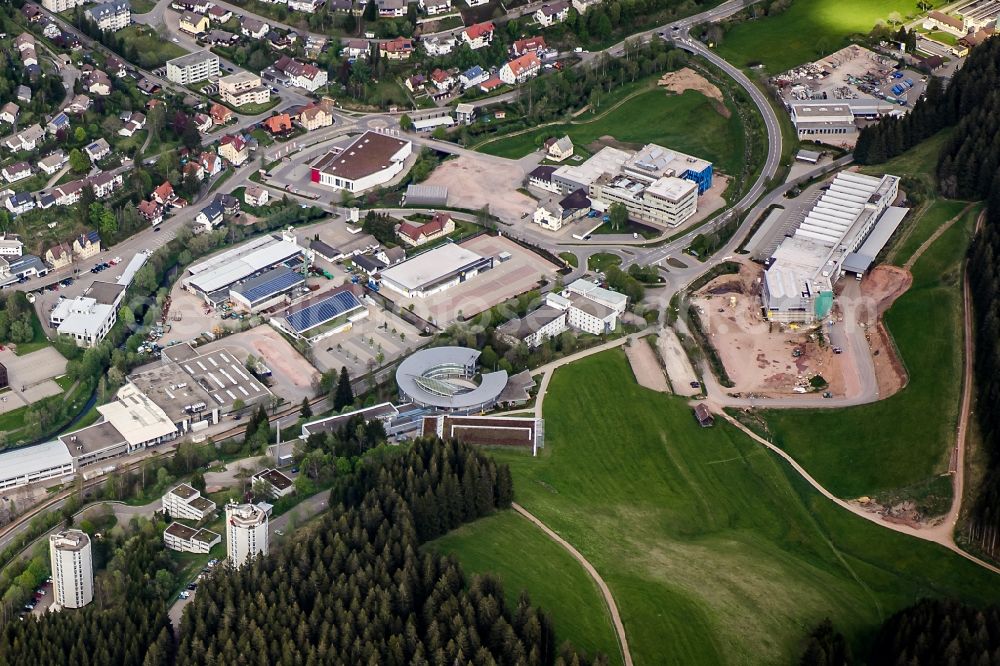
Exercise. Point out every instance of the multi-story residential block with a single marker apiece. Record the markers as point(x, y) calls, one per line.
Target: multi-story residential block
point(72, 568)
point(193, 67)
point(243, 88)
point(246, 533)
point(111, 16)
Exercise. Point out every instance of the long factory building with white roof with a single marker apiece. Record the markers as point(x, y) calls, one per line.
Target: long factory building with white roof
point(798, 283)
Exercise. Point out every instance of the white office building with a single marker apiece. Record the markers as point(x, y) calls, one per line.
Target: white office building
point(83, 319)
point(193, 67)
point(246, 533)
point(72, 569)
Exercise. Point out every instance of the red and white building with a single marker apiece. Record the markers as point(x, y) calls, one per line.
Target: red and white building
point(371, 160)
point(520, 69)
point(478, 35)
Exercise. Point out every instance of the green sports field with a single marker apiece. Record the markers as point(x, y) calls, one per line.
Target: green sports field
point(716, 552)
point(524, 558)
point(688, 122)
point(806, 31)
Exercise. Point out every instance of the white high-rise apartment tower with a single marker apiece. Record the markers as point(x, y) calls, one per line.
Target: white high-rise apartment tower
point(246, 533)
point(72, 568)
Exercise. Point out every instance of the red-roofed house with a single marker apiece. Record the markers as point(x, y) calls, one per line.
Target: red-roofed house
point(234, 149)
point(220, 114)
point(491, 84)
point(478, 35)
point(418, 234)
point(520, 69)
point(528, 45)
point(151, 211)
point(164, 194)
point(442, 79)
point(278, 125)
point(396, 49)
point(211, 163)
point(194, 169)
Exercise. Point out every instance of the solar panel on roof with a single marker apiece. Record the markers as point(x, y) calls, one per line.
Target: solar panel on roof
point(277, 283)
point(323, 311)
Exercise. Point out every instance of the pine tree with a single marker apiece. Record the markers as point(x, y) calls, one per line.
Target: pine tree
point(344, 394)
point(306, 411)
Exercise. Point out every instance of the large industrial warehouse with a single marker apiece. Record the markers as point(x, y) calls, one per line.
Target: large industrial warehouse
point(321, 316)
point(435, 270)
point(798, 284)
point(213, 278)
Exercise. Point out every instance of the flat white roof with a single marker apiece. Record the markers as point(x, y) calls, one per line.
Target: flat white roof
point(133, 267)
point(671, 188)
point(136, 417)
point(596, 292)
point(430, 266)
point(606, 160)
point(231, 267)
point(82, 315)
point(31, 459)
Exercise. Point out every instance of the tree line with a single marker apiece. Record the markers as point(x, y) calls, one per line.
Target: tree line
point(358, 588)
point(932, 632)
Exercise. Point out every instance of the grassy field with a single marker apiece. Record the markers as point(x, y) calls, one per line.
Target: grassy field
point(653, 116)
point(715, 551)
point(939, 212)
point(806, 31)
point(602, 261)
point(553, 579)
point(570, 258)
point(904, 440)
point(153, 50)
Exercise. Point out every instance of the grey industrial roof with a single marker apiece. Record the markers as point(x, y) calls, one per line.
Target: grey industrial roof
point(31, 459)
point(418, 365)
point(531, 323)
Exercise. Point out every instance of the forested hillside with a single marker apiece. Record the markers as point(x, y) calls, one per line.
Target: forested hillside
point(968, 167)
point(969, 161)
point(357, 590)
point(126, 624)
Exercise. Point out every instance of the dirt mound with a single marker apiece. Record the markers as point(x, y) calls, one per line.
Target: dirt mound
point(883, 286)
point(727, 288)
point(687, 79)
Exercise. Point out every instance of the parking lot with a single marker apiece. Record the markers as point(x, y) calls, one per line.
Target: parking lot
point(521, 273)
point(292, 376)
point(376, 340)
point(31, 376)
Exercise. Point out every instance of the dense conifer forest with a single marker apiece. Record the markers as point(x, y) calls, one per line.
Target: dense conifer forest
point(929, 633)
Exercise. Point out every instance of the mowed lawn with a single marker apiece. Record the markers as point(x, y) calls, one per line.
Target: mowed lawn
point(525, 559)
point(806, 31)
point(688, 122)
point(904, 440)
point(715, 552)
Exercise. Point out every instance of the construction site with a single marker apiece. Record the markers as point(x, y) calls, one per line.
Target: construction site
point(841, 357)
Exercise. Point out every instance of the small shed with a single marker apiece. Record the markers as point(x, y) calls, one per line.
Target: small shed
point(704, 416)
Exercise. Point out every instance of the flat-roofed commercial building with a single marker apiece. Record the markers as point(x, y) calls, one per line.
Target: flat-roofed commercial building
point(243, 88)
point(193, 67)
point(246, 533)
point(266, 289)
point(369, 161)
point(83, 319)
point(828, 122)
point(798, 283)
point(435, 270)
point(72, 569)
point(196, 389)
point(477, 430)
point(655, 184)
point(384, 412)
point(130, 422)
point(213, 278)
point(184, 539)
point(321, 316)
point(19, 467)
point(186, 502)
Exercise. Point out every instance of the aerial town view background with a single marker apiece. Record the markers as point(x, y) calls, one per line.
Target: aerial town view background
point(471, 331)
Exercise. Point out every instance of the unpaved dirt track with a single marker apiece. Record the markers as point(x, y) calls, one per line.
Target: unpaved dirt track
point(605, 591)
point(646, 367)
